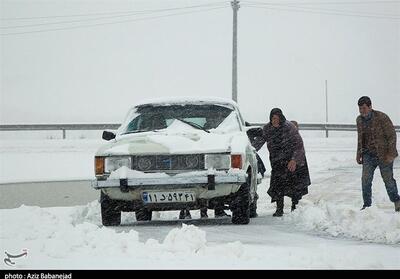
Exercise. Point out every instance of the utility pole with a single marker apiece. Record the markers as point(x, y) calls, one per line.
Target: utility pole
point(235, 7)
point(326, 107)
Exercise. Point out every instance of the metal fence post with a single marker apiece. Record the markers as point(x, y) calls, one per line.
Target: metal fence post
point(64, 133)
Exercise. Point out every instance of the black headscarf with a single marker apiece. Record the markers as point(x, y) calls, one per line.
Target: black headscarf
point(277, 134)
point(277, 111)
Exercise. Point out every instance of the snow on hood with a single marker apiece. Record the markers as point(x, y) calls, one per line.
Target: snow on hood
point(125, 172)
point(178, 138)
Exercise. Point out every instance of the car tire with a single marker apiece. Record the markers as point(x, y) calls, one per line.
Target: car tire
point(241, 205)
point(110, 212)
point(143, 214)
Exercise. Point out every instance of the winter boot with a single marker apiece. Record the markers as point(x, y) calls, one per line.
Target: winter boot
point(364, 207)
point(279, 208)
point(219, 212)
point(278, 213)
point(294, 203)
point(397, 206)
point(185, 214)
point(203, 213)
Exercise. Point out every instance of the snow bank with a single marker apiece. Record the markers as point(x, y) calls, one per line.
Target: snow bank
point(372, 224)
point(53, 234)
point(189, 239)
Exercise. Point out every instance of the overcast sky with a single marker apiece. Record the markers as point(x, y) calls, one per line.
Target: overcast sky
point(98, 60)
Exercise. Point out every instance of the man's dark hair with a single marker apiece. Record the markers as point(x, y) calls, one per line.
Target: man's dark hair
point(364, 100)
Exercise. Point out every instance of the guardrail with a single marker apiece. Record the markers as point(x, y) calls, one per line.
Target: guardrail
point(327, 127)
point(112, 126)
point(55, 127)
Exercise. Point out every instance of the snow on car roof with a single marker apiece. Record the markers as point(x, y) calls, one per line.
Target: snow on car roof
point(186, 99)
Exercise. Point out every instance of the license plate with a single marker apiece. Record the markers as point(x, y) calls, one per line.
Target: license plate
point(168, 197)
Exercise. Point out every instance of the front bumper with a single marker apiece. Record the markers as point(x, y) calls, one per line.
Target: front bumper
point(172, 181)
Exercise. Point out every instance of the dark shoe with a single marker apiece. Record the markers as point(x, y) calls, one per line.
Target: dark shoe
point(294, 203)
point(254, 215)
point(279, 208)
point(221, 214)
point(185, 214)
point(203, 213)
point(397, 206)
point(278, 213)
point(364, 207)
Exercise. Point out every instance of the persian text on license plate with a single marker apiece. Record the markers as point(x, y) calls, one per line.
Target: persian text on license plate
point(166, 197)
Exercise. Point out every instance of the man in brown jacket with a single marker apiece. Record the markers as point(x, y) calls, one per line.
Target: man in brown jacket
point(376, 147)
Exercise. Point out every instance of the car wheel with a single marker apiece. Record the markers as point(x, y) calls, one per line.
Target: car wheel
point(143, 214)
point(110, 212)
point(241, 205)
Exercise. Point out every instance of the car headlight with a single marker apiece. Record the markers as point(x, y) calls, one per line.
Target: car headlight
point(217, 161)
point(114, 163)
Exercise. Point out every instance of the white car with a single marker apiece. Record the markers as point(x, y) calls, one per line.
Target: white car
point(178, 153)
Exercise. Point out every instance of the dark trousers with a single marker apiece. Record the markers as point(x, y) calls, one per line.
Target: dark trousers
point(280, 203)
point(370, 163)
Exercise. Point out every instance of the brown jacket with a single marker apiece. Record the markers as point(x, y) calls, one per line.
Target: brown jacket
point(383, 134)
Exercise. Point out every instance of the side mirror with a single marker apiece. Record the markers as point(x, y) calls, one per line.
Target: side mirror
point(108, 135)
point(247, 124)
point(255, 132)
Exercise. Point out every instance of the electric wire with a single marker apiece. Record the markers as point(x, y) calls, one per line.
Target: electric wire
point(110, 23)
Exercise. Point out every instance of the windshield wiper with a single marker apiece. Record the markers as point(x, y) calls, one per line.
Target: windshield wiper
point(197, 126)
point(139, 131)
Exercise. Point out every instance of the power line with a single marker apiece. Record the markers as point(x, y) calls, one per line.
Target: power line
point(109, 23)
point(296, 9)
point(324, 9)
point(252, 4)
point(81, 20)
point(112, 13)
point(330, 3)
point(318, 11)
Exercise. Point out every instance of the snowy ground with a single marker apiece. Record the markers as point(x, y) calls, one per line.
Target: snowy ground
point(327, 231)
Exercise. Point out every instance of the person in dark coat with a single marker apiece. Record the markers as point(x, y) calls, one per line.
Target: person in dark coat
point(289, 176)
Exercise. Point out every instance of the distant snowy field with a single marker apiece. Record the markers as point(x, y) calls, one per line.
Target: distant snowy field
point(326, 231)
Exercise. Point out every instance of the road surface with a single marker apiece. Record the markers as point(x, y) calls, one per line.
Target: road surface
point(47, 194)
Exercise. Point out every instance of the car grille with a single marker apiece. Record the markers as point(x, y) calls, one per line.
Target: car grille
point(168, 162)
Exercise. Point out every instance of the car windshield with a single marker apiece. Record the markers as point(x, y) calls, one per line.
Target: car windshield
point(156, 117)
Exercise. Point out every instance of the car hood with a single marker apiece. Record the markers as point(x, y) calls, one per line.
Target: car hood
point(188, 142)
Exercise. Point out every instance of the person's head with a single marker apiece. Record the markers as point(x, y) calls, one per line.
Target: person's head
point(364, 106)
point(276, 117)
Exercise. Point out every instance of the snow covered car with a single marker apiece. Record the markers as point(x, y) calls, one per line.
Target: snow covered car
point(175, 154)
